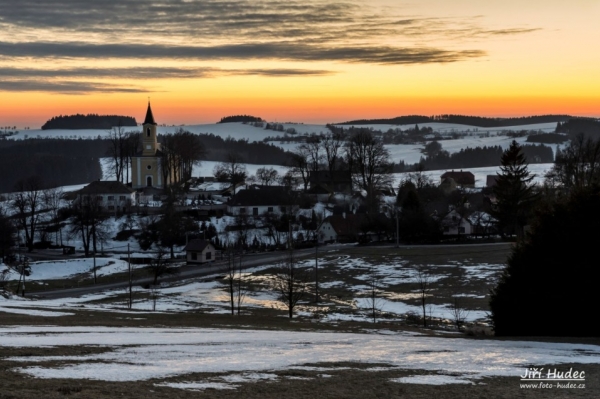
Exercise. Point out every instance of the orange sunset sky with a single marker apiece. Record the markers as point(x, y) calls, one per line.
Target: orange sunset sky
point(305, 61)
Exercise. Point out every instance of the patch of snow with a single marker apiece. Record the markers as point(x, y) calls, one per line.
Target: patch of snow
point(432, 379)
point(197, 386)
point(33, 312)
point(145, 353)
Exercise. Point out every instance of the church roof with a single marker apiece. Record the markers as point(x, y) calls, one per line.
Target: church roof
point(149, 117)
point(197, 245)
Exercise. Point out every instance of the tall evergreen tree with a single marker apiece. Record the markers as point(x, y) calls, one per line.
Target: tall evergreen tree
point(549, 286)
point(514, 191)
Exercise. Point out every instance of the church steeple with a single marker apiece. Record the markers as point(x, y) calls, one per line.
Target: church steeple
point(149, 117)
point(149, 140)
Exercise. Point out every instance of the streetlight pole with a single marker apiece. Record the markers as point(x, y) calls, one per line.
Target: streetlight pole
point(397, 230)
point(317, 270)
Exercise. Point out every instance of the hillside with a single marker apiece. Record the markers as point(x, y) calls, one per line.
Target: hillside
point(90, 121)
point(477, 121)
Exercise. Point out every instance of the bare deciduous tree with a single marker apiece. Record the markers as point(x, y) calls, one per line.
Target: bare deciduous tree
point(267, 176)
point(577, 165)
point(27, 203)
point(458, 313)
point(370, 165)
point(298, 169)
point(116, 152)
point(423, 280)
point(88, 222)
point(52, 200)
point(230, 273)
point(374, 301)
point(290, 282)
point(232, 170)
point(159, 266)
point(332, 144)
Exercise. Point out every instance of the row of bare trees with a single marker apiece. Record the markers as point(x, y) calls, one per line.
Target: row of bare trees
point(361, 153)
point(30, 200)
point(180, 151)
point(123, 146)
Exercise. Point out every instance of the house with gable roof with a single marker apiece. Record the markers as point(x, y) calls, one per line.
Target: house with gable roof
point(110, 196)
point(200, 251)
point(260, 200)
point(341, 228)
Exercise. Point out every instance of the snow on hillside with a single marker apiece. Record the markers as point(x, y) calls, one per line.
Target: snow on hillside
point(409, 153)
point(146, 353)
point(236, 130)
point(248, 132)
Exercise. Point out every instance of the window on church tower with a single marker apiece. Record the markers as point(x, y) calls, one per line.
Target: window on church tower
point(148, 132)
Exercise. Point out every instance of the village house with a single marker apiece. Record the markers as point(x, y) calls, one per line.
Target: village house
point(454, 224)
point(341, 228)
point(258, 201)
point(200, 251)
point(110, 196)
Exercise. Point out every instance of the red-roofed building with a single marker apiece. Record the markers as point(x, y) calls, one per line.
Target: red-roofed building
point(463, 179)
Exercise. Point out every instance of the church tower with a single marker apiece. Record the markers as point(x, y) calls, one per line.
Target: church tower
point(146, 168)
point(149, 140)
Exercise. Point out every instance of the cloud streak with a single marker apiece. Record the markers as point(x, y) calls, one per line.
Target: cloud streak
point(151, 73)
point(65, 87)
point(61, 80)
point(289, 51)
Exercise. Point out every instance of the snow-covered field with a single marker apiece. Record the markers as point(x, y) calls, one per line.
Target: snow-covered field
point(145, 353)
point(210, 295)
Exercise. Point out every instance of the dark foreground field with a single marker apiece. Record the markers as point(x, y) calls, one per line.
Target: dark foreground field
point(322, 380)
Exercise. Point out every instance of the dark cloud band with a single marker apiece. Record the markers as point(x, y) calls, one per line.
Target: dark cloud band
point(291, 51)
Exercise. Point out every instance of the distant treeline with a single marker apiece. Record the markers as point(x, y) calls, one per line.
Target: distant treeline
point(217, 149)
point(462, 120)
point(240, 118)
point(90, 121)
point(477, 157)
point(548, 138)
point(574, 126)
point(56, 162)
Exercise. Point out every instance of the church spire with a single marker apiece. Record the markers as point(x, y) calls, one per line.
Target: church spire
point(149, 117)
